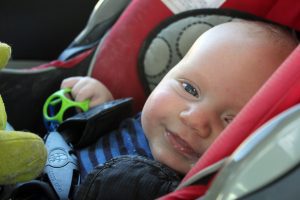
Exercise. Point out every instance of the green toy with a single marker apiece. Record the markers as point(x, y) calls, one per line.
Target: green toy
point(22, 154)
point(62, 100)
point(5, 52)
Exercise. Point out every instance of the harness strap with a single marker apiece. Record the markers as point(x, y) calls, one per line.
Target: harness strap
point(62, 168)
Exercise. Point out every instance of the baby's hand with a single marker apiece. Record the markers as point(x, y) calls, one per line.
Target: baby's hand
point(87, 88)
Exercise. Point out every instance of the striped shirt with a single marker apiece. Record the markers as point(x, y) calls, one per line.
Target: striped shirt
point(129, 139)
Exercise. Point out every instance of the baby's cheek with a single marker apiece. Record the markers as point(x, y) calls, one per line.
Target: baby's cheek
point(152, 111)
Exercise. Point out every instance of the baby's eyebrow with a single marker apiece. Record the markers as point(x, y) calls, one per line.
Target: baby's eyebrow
point(198, 79)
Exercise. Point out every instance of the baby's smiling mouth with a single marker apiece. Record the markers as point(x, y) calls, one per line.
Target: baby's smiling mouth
point(181, 146)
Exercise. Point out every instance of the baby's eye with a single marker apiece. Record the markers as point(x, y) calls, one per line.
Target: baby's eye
point(190, 89)
point(228, 119)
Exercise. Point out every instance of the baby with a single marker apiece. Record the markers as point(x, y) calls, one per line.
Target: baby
point(202, 94)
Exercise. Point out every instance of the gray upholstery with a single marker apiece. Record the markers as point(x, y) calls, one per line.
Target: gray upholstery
point(172, 42)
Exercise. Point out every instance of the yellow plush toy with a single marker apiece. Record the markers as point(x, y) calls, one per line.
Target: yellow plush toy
point(22, 154)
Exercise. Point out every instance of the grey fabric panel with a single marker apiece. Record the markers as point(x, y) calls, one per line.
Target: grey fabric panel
point(172, 43)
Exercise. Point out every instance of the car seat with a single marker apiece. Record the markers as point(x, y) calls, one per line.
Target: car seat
point(74, 60)
point(118, 54)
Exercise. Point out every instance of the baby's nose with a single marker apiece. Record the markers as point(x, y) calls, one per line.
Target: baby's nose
point(197, 120)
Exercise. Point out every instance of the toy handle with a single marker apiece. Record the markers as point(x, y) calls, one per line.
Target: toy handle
point(60, 99)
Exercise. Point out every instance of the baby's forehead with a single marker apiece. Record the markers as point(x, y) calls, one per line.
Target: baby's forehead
point(238, 41)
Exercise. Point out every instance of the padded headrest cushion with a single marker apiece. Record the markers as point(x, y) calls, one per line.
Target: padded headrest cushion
point(169, 42)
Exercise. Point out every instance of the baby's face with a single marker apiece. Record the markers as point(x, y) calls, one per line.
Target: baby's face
point(201, 95)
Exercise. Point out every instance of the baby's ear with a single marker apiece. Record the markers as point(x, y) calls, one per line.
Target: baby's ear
point(5, 52)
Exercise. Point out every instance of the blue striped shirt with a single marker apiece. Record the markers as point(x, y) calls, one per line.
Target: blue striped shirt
point(129, 139)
